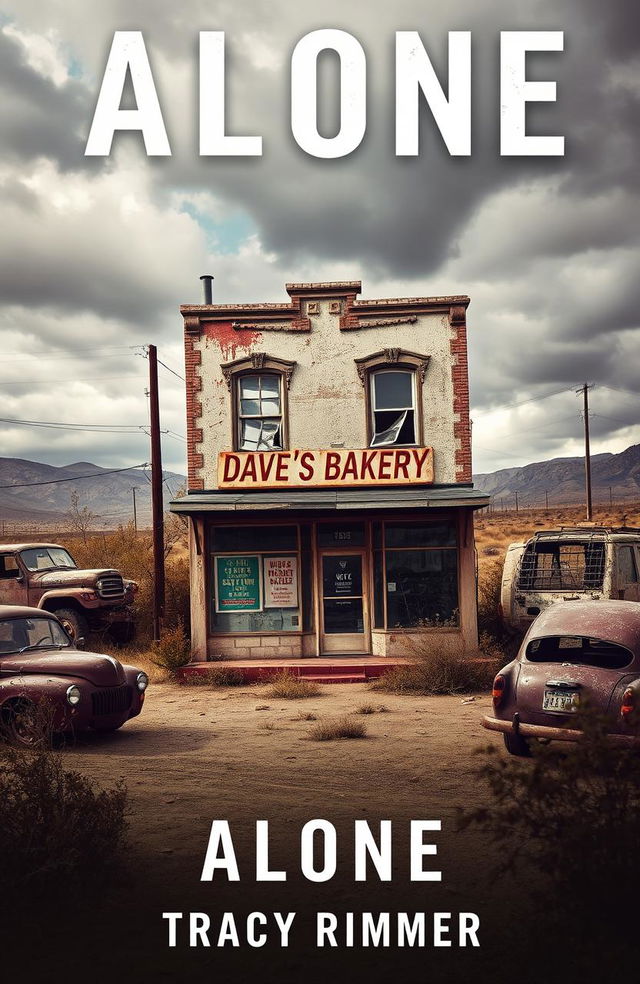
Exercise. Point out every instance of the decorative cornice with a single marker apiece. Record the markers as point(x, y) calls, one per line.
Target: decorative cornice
point(392, 357)
point(257, 362)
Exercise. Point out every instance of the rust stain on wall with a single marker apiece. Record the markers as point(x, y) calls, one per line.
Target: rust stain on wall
point(231, 340)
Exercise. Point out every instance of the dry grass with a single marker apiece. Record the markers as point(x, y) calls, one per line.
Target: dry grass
point(372, 709)
point(173, 649)
point(344, 727)
point(439, 673)
point(217, 676)
point(305, 716)
point(290, 687)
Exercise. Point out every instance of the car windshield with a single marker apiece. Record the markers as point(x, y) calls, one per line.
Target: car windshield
point(17, 634)
point(47, 558)
point(580, 651)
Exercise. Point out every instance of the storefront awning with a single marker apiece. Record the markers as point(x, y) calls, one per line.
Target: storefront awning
point(432, 497)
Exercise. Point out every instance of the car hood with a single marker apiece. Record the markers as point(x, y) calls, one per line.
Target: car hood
point(96, 668)
point(71, 577)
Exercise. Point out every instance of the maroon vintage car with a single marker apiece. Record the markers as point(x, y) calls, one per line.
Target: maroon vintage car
point(46, 680)
point(582, 653)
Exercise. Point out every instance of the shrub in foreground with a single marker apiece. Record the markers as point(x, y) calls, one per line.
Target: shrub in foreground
point(61, 833)
point(571, 813)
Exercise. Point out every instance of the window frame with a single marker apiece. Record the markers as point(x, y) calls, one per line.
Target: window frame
point(373, 375)
point(400, 360)
point(240, 417)
point(258, 364)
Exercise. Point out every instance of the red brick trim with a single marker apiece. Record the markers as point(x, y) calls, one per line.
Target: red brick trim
point(460, 377)
point(195, 459)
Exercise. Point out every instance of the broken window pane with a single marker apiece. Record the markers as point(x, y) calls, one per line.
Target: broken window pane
point(393, 408)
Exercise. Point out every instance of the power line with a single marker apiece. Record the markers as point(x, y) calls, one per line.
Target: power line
point(76, 478)
point(522, 403)
point(172, 371)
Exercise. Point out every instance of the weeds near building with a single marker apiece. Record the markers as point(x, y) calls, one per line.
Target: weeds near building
point(173, 649)
point(290, 687)
point(435, 673)
point(217, 676)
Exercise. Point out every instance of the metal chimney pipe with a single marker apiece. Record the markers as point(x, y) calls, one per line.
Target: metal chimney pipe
point(207, 288)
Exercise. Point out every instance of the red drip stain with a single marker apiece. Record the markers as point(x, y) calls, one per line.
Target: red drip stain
point(231, 340)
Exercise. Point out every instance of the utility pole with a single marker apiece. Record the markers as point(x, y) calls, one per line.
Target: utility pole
point(157, 508)
point(546, 498)
point(135, 514)
point(516, 495)
point(610, 497)
point(587, 449)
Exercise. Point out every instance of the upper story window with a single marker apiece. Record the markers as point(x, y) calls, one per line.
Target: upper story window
point(393, 408)
point(259, 385)
point(259, 413)
point(392, 381)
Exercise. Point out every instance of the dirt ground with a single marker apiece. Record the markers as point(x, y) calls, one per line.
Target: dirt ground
point(197, 753)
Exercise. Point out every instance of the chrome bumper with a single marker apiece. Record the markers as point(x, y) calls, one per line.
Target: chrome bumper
point(551, 734)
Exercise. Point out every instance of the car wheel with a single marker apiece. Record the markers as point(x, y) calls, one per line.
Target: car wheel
point(75, 624)
point(122, 632)
point(24, 724)
point(517, 745)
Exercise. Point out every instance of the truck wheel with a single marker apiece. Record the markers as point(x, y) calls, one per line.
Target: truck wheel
point(122, 632)
point(75, 624)
point(517, 745)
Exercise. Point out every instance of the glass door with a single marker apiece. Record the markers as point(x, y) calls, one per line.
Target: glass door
point(344, 608)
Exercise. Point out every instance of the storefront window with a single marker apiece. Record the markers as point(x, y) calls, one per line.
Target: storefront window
point(255, 579)
point(416, 575)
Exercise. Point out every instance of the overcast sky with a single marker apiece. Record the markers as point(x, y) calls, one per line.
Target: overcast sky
point(97, 254)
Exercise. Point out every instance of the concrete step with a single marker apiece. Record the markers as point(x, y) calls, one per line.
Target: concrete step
point(334, 677)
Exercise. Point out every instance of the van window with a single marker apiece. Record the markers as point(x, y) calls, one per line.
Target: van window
point(557, 566)
point(627, 566)
point(579, 651)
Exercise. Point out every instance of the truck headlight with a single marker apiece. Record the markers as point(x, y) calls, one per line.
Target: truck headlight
point(73, 695)
point(142, 681)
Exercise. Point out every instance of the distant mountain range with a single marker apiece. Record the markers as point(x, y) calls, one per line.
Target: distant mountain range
point(615, 475)
point(31, 491)
point(41, 493)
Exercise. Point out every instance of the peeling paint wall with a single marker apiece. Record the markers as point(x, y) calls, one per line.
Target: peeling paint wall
point(326, 398)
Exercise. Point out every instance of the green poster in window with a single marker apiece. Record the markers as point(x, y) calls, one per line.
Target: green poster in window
point(238, 586)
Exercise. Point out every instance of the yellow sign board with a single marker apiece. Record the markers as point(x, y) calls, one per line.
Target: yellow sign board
point(333, 468)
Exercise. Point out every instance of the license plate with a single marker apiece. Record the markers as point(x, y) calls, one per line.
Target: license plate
point(565, 700)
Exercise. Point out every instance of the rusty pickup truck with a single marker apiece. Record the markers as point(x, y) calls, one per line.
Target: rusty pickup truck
point(45, 576)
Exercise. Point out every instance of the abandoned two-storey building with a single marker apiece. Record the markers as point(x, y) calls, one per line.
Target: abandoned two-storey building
point(330, 497)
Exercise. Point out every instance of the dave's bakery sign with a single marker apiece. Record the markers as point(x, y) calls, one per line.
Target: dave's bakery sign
point(322, 469)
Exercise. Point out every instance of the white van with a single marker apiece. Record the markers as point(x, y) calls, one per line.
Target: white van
point(568, 564)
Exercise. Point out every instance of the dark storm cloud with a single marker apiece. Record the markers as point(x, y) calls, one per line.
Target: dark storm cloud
point(38, 118)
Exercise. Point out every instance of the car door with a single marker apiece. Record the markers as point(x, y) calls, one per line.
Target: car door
point(12, 584)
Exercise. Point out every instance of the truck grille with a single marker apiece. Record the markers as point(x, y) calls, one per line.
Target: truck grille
point(111, 586)
point(111, 700)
